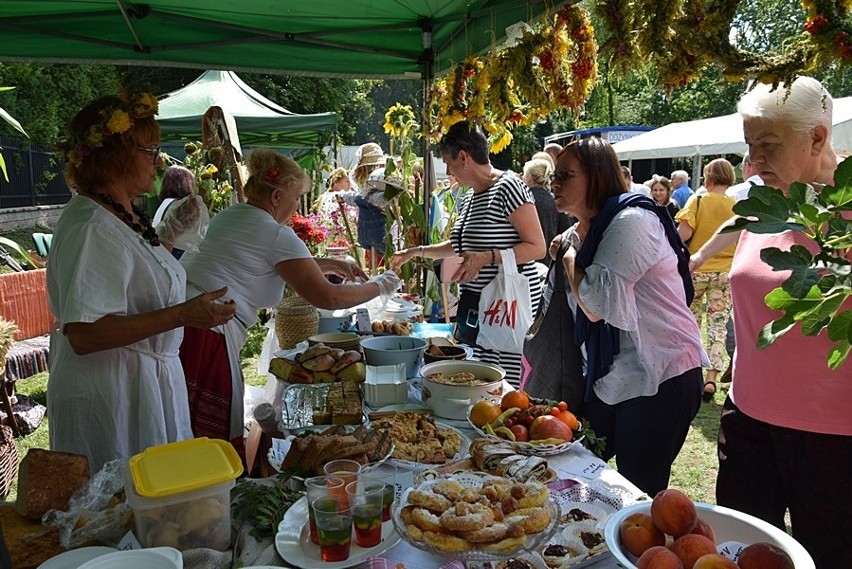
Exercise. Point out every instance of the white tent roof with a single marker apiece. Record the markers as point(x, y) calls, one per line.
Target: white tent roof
point(719, 135)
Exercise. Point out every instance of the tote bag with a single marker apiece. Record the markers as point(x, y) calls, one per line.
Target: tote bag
point(505, 308)
point(552, 361)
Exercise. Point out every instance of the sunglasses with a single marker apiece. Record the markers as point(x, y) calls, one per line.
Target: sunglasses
point(153, 152)
point(561, 175)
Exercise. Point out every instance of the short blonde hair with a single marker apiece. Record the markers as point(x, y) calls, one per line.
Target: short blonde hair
point(539, 171)
point(269, 171)
point(719, 172)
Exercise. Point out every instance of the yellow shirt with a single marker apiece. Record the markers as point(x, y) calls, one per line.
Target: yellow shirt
point(712, 211)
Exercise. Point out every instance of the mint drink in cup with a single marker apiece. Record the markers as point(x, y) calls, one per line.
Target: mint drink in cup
point(365, 500)
point(386, 474)
point(334, 527)
point(320, 487)
point(346, 470)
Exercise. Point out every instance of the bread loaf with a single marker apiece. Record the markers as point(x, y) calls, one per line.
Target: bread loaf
point(47, 480)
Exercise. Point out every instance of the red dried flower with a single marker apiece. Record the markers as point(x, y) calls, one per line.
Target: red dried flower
point(272, 174)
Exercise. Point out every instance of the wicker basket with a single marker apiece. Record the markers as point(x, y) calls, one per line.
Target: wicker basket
point(295, 321)
point(8, 461)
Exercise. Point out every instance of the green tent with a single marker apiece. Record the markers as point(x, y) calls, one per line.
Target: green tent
point(259, 120)
point(344, 38)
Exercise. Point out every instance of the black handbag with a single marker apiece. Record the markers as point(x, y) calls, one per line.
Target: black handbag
point(554, 359)
point(466, 329)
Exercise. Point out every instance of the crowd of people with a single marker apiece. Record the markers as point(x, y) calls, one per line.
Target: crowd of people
point(147, 345)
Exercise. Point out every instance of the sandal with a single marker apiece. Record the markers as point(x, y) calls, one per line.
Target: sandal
point(708, 395)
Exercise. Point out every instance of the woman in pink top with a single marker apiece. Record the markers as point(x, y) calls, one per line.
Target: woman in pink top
point(785, 441)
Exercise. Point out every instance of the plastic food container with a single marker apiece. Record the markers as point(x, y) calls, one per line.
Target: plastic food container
point(385, 385)
point(180, 493)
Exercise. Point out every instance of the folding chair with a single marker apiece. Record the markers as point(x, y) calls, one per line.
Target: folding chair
point(42, 242)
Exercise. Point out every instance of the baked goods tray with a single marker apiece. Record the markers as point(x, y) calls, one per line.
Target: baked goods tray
point(300, 401)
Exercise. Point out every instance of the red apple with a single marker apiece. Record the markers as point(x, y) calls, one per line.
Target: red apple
point(549, 427)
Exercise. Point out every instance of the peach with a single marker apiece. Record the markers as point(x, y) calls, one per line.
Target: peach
point(714, 561)
point(658, 557)
point(764, 556)
point(673, 512)
point(639, 533)
point(703, 528)
point(690, 547)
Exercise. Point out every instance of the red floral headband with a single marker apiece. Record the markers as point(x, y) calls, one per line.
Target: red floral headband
point(272, 174)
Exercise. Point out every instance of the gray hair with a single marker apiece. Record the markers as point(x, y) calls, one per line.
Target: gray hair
point(803, 106)
point(680, 174)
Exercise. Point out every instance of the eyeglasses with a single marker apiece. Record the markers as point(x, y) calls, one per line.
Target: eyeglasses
point(153, 152)
point(561, 175)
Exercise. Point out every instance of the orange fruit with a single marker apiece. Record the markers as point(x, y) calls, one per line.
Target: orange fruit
point(518, 399)
point(484, 412)
point(569, 419)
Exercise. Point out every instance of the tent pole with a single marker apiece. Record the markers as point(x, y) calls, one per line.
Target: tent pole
point(426, 61)
point(696, 172)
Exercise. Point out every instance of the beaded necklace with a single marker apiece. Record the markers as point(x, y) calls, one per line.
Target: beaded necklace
point(145, 229)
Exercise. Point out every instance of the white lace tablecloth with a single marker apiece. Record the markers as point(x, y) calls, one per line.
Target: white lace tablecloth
point(577, 464)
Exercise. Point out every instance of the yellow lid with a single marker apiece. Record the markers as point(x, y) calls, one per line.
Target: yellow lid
point(184, 466)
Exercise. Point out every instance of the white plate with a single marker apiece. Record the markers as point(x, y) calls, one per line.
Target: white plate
point(293, 541)
point(463, 451)
point(76, 557)
point(151, 558)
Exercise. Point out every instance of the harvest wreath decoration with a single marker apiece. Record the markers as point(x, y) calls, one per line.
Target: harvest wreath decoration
point(552, 66)
point(679, 38)
point(115, 119)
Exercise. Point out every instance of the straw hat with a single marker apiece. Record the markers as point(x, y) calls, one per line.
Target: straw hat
point(370, 154)
point(377, 181)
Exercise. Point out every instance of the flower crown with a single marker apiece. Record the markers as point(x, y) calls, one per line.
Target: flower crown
point(114, 119)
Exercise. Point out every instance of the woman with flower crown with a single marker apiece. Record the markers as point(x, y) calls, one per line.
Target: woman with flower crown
point(116, 383)
point(251, 248)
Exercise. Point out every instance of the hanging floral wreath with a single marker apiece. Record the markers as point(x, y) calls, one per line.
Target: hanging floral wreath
point(679, 38)
point(550, 67)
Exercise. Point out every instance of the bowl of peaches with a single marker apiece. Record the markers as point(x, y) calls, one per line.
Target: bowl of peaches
point(673, 531)
point(537, 427)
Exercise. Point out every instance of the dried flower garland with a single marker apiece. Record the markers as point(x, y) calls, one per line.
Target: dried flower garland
point(114, 119)
point(679, 38)
point(551, 67)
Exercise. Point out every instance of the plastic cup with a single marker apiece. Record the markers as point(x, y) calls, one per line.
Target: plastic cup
point(386, 474)
point(334, 528)
point(365, 501)
point(346, 470)
point(320, 487)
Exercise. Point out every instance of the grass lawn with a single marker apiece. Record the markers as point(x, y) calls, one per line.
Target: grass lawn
point(694, 471)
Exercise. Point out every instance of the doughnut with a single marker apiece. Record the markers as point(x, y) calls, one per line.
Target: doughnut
point(467, 517)
point(429, 500)
point(533, 520)
point(494, 532)
point(536, 495)
point(426, 520)
point(445, 542)
point(469, 495)
point(414, 532)
point(449, 489)
point(504, 545)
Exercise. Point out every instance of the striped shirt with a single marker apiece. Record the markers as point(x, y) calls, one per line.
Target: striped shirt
point(484, 225)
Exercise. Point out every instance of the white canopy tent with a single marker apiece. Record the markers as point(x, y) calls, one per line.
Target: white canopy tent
point(718, 135)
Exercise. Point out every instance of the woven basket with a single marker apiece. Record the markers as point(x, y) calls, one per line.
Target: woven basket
point(8, 460)
point(296, 320)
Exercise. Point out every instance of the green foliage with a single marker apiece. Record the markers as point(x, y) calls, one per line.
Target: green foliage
point(262, 505)
point(819, 284)
point(254, 341)
point(20, 252)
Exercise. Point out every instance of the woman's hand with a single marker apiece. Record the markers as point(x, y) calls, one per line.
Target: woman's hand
point(401, 257)
point(472, 264)
point(554, 246)
point(346, 270)
point(207, 311)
